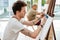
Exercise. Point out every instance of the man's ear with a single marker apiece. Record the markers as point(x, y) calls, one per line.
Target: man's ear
point(16, 11)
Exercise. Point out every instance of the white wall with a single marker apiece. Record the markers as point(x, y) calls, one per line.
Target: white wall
point(57, 1)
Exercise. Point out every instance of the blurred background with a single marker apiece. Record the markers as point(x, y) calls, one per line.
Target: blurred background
point(6, 13)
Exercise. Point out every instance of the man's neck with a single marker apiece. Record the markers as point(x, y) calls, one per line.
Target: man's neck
point(33, 9)
point(17, 17)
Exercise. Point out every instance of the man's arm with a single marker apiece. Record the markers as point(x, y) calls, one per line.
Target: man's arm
point(31, 34)
point(31, 23)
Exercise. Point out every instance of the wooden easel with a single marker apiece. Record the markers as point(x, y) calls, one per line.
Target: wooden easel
point(50, 12)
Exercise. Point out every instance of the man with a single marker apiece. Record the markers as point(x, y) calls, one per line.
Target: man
point(15, 26)
point(33, 13)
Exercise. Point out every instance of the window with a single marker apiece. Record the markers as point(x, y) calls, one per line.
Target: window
point(57, 10)
point(6, 5)
point(3, 8)
point(6, 8)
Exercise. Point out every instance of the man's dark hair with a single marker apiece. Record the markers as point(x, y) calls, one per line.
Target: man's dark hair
point(17, 6)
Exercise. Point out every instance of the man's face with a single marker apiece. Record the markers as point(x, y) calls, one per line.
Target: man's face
point(35, 7)
point(22, 12)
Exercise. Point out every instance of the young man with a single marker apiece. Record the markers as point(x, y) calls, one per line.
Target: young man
point(33, 13)
point(15, 26)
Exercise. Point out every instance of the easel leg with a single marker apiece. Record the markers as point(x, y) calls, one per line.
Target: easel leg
point(51, 33)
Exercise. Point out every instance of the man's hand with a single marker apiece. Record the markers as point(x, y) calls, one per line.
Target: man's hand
point(42, 15)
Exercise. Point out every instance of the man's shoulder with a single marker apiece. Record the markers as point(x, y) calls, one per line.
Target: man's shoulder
point(12, 21)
